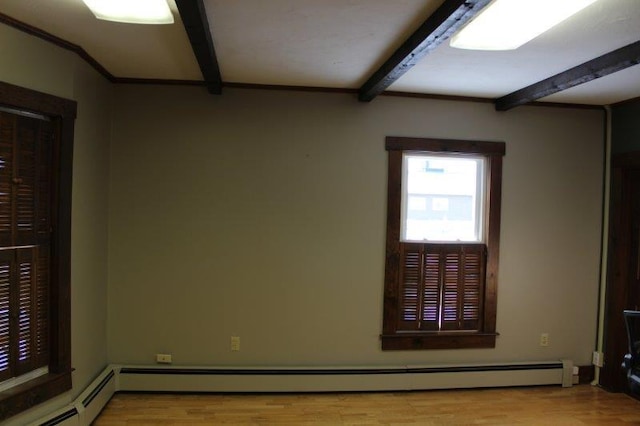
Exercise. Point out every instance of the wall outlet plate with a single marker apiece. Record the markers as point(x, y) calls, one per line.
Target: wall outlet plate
point(163, 358)
point(597, 359)
point(235, 343)
point(544, 339)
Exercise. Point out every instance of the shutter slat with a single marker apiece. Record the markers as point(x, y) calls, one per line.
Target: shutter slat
point(431, 291)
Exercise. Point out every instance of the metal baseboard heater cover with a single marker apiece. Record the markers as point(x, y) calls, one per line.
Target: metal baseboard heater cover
point(194, 379)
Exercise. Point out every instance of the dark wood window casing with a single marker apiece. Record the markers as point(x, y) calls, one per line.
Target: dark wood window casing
point(441, 295)
point(36, 149)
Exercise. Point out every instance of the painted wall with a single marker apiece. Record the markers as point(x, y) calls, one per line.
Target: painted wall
point(29, 62)
point(261, 214)
point(626, 127)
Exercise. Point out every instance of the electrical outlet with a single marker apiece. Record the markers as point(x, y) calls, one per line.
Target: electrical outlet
point(544, 339)
point(235, 343)
point(163, 358)
point(597, 359)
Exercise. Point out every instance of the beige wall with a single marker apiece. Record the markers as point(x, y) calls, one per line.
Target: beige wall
point(261, 214)
point(29, 62)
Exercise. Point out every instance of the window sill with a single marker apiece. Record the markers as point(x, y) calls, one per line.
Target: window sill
point(455, 340)
point(29, 394)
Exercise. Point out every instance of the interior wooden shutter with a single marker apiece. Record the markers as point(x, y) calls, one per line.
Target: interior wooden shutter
point(7, 148)
point(441, 287)
point(411, 286)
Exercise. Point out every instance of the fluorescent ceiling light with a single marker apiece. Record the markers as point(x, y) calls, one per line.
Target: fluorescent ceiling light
point(132, 11)
point(508, 24)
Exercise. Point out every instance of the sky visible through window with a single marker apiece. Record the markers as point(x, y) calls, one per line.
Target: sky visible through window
point(441, 198)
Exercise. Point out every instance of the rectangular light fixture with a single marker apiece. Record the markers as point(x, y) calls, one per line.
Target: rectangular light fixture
point(132, 11)
point(508, 24)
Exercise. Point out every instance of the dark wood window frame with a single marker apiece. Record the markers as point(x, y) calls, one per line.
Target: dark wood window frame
point(393, 338)
point(62, 113)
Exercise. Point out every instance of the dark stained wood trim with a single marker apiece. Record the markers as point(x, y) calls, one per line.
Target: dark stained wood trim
point(394, 143)
point(418, 341)
point(492, 212)
point(319, 89)
point(601, 66)
point(571, 106)
point(436, 97)
point(36, 32)
point(37, 391)
point(586, 374)
point(626, 101)
point(157, 81)
point(629, 160)
point(37, 102)
point(438, 27)
point(196, 24)
point(392, 252)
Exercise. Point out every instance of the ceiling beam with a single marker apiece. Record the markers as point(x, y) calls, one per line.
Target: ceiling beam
point(441, 25)
point(194, 19)
point(606, 64)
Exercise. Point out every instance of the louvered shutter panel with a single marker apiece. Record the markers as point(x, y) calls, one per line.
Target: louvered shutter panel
point(25, 182)
point(41, 305)
point(5, 335)
point(410, 286)
point(451, 276)
point(44, 159)
point(441, 287)
point(7, 145)
point(431, 289)
point(473, 286)
point(26, 296)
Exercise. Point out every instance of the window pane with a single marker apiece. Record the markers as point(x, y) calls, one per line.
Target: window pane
point(441, 198)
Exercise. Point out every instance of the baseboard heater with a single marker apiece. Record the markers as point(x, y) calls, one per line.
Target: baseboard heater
point(87, 406)
point(177, 379)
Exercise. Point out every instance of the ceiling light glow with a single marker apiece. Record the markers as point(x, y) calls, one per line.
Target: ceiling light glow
point(132, 11)
point(508, 24)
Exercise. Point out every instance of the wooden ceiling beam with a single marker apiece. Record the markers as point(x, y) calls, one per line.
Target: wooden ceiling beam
point(606, 64)
point(194, 19)
point(441, 25)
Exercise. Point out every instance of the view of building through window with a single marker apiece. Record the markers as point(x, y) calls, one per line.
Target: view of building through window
point(442, 198)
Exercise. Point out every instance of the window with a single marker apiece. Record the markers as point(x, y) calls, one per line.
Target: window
point(36, 145)
point(443, 233)
point(25, 243)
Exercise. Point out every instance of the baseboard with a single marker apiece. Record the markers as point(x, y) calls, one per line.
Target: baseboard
point(116, 378)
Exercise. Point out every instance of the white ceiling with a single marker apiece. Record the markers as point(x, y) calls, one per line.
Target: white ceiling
point(339, 43)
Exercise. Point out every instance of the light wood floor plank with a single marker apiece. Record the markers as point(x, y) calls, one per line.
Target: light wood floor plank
point(579, 405)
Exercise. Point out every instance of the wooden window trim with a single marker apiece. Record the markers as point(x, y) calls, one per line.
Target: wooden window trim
point(62, 113)
point(392, 339)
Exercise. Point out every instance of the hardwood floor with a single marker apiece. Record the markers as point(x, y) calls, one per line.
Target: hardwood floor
point(548, 405)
